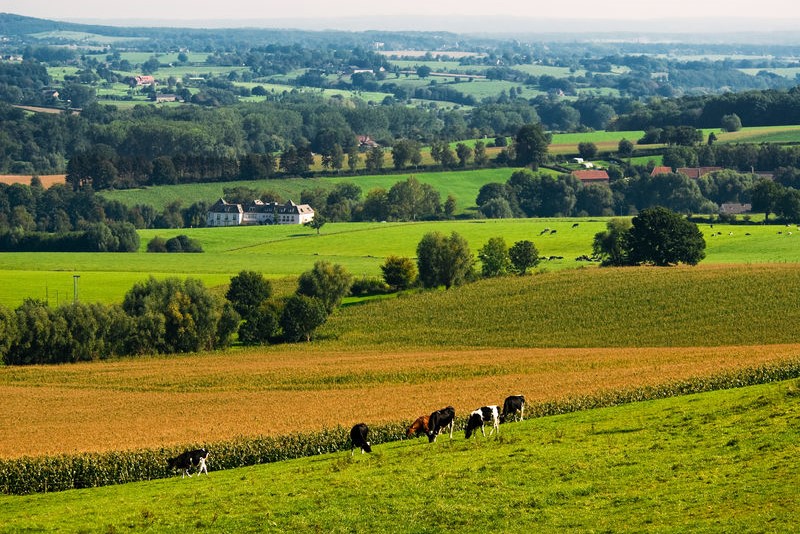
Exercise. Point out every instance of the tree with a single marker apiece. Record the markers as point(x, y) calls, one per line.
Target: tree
point(531, 145)
point(494, 257)
point(410, 200)
point(449, 206)
point(587, 150)
point(662, 237)
point(464, 153)
point(423, 71)
point(316, 223)
point(172, 315)
point(480, 158)
point(765, 196)
point(443, 260)
point(731, 123)
point(610, 245)
point(247, 291)
point(374, 161)
point(625, 148)
point(523, 255)
point(260, 326)
point(404, 151)
point(353, 158)
point(9, 332)
point(399, 272)
point(327, 282)
point(301, 316)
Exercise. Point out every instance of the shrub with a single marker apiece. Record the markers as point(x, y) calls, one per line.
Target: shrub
point(301, 316)
point(366, 286)
point(398, 272)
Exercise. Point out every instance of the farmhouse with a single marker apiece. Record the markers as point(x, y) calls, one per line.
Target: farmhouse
point(592, 177)
point(144, 80)
point(223, 213)
point(661, 169)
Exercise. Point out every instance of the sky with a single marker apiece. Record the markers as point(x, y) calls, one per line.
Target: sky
point(234, 13)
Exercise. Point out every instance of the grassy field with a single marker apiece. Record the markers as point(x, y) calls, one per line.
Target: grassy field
point(716, 462)
point(463, 185)
point(281, 251)
point(554, 335)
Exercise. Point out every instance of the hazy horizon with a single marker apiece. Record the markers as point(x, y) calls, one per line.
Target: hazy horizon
point(512, 16)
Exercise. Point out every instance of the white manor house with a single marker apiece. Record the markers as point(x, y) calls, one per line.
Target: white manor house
point(257, 212)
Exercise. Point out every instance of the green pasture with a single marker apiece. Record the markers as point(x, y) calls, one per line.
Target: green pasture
point(286, 251)
point(760, 134)
point(542, 70)
point(599, 136)
point(84, 37)
point(786, 72)
point(164, 57)
point(59, 73)
point(438, 66)
point(463, 185)
point(724, 461)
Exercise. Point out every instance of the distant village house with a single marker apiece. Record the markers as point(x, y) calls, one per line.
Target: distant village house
point(592, 177)
point(256, 212)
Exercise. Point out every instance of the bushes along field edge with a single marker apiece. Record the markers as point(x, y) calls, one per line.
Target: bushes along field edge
point(27, 475)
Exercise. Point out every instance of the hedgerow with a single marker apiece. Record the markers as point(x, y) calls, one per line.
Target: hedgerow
point(73, 471)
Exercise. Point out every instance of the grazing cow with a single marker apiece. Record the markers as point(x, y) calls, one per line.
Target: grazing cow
point(441, 419)
point(575, 225)
point(418, 427)
point(482, 415)
point(187, 460)
point(358, 435)
point(513, 405)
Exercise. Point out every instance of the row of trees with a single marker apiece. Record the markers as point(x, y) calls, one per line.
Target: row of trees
point(156, 316)
point(97, 237)
point(528, 194)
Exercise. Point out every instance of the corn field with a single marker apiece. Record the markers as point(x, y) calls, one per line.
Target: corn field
point(63, 472)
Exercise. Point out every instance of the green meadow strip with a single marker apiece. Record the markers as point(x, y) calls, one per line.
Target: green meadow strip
point(73, 471)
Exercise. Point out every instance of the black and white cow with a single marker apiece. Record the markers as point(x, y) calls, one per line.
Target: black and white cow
point(186, 460)
point(358, 435)
point(513, 405)
point(482, 415)
point(441, 419)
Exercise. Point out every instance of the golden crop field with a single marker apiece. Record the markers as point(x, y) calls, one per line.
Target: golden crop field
point(153, 402)
point(47, 179)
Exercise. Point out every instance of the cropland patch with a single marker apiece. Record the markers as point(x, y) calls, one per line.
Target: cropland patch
point(152, 402)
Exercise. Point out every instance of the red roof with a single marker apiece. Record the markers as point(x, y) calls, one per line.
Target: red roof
point(591, 176)
point(660, 170)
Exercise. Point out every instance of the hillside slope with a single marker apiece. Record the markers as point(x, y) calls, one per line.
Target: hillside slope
point(717, 462)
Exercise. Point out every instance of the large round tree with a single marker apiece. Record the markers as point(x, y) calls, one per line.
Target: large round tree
point(662, 237)
point(531, 144)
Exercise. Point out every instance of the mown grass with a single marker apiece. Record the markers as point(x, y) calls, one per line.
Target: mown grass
point(287, 251)
point(715, 462)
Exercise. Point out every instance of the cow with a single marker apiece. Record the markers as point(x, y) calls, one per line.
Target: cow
point(187, 460)
point(418, 427)
point(441, 419)
point(358, 435)
point(513, 405)
point(482, 415)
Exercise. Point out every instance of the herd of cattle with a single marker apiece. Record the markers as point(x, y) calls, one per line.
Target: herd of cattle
point(443, 420)
point(431, 425)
